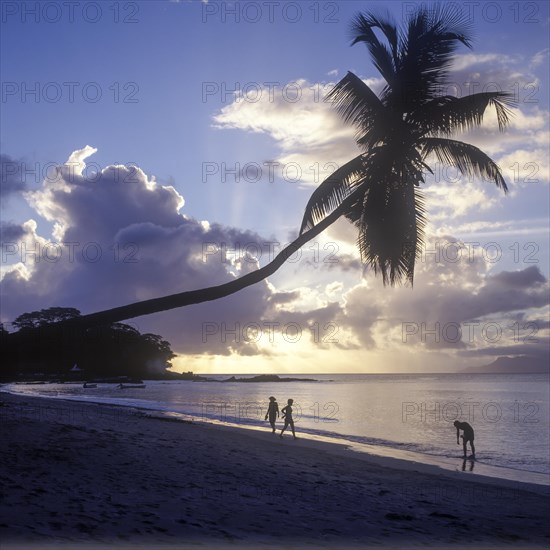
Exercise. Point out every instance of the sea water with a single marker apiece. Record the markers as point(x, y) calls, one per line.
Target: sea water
point(406, 416)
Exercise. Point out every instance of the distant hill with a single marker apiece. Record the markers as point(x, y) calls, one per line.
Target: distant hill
point(513, 365)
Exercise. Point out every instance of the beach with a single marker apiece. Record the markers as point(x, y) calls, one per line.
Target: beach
point(78, 473)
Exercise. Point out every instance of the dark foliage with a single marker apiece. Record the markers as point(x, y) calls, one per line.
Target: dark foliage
point(106, 350)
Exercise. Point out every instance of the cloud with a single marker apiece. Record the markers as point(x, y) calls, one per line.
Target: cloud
point(104, 202)
point(529, 277)
point(457, 290)
point(540, 58)
point(11, 232)
point(306, 129)
point(471, 60)
point(453, 196)
point(21, 249)
point(460, 301)
point(119, 237)
point(476, 72)
point(489, 229)
point(12, 179)
point(525, 167)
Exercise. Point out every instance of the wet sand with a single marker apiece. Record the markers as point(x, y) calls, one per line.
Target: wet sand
point(92, 475)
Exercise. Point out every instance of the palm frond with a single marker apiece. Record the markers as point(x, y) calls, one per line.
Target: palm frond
point(358, 104)
point(433, 35)
point(451, 21)
point(382, 58)
point(391, 230)
point(388, 27)
point(447, 114)
point(378, 164)
point(331, 192)
point(470, 160)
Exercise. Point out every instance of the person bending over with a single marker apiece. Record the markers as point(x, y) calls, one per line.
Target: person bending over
point(468, 436)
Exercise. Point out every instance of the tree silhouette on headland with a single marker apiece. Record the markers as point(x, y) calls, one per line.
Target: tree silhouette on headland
point(46, 343)
point(378, 190)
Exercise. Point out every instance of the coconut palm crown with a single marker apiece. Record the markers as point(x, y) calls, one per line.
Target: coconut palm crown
point(397, 130)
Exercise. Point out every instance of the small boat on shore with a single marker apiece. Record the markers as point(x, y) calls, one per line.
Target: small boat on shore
point(88, 385)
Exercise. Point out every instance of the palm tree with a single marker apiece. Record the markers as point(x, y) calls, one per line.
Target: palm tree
point(397, 131)
point(378, 190)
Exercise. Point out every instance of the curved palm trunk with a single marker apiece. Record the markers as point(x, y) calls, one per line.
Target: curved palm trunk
point(181, 299)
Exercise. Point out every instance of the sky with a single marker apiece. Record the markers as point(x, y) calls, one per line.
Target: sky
point(149, 148)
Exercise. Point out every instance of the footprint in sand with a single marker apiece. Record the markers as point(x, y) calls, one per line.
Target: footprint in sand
point(399, 517)
point(330, 532)
point(442, 515)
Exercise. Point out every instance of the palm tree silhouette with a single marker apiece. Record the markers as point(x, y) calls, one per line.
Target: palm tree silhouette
point(378, 190)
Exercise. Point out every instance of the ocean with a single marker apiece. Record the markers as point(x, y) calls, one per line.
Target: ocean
point(403, 416)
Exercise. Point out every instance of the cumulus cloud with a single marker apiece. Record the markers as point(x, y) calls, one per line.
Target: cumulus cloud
point(22, 249)
point(460, 301)
point(307, 131)
point(11, 232)
point(119, 237)
point(457, 299)
point(12, 178)
point(489, 71)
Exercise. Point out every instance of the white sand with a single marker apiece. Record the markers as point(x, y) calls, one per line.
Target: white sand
point(80, 473)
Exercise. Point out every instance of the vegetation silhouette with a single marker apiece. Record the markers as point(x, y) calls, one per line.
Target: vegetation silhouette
point(378, 190)
point(100, 351)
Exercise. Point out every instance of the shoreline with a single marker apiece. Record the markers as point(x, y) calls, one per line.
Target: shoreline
point(382, 455)
point(80, 472)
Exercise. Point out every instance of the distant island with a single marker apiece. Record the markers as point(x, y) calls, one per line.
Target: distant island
point(198, 378)
point(523, 364)
point(259, 378)
point(268, 378)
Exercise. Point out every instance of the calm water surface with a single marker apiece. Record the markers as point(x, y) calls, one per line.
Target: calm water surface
point(509, 413)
